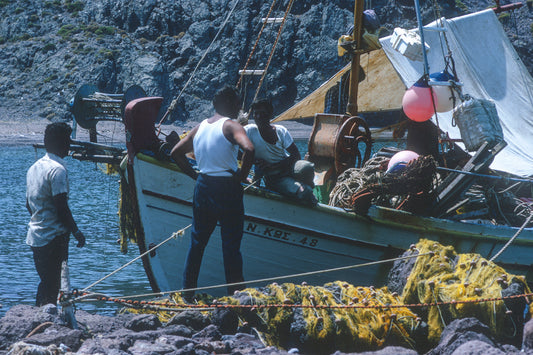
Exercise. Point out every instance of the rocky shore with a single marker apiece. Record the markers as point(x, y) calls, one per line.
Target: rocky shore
point(49, 49)
point(31, 330)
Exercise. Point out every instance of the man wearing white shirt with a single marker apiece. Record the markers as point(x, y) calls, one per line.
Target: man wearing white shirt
point(51, 220)
point(277, 158)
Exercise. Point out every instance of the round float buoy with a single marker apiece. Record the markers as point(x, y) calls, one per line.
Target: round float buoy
point(417, 103)
point(400, 160)
point(446, 95)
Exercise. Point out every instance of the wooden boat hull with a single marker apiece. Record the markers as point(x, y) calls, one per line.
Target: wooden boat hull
point(284, 238)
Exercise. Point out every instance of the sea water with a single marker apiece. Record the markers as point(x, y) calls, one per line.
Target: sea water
point(94, 203)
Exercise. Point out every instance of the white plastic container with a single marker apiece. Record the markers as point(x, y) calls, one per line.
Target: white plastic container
point(408, 43)
point(478, 122)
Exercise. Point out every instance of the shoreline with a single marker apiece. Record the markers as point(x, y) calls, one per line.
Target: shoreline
point(28, 132)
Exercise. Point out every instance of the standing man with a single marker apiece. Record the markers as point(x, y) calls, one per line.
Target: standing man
point(51, 220)
point(278, 159)
point(218, 192)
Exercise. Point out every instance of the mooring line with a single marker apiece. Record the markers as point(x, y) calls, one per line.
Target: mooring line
point(278, 277)
point(514, 237)
point(173, 236)
point(167, 306)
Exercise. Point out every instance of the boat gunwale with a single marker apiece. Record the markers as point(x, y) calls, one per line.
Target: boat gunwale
point(426, 224)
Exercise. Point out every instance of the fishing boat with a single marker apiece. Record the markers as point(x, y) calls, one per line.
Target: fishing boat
point(287, 241)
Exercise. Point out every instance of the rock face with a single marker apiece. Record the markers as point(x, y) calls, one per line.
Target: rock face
point(48, 49)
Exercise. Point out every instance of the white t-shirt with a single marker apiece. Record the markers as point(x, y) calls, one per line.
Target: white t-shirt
point(46, 178)
point(271, 153)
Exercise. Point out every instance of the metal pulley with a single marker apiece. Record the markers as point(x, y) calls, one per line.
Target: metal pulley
point(90, 106)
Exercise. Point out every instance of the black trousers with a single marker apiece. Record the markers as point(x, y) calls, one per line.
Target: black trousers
point(48, 261)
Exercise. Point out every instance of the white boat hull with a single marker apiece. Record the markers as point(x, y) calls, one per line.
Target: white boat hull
point(283, 238)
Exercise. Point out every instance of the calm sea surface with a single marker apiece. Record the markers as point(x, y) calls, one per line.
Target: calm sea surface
point(94, 204)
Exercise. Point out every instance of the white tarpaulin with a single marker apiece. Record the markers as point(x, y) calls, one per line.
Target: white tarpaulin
point(489, 67)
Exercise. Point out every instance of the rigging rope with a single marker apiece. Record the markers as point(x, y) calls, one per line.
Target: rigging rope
point(484, 175)
point(289, 6)
point(174, 102)
point(256, 42)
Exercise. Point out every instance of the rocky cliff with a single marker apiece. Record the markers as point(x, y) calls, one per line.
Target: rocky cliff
point(49, 48)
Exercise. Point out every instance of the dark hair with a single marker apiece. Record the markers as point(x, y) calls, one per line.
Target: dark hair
point(264, 103)
point(57, 136)
point(227, 101)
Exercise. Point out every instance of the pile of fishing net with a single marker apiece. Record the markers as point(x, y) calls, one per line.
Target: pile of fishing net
point(407, 189)
point(461, 281)
point(433, 289)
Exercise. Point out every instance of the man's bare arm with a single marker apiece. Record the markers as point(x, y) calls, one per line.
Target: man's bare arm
point(183, 147)
point(65, 217)
point(236, 134)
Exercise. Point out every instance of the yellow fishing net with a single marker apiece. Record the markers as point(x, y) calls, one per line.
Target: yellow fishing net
point(325, 322)
point(446, 276)
point(126, 214)
point(330, 323)
point(322, 319)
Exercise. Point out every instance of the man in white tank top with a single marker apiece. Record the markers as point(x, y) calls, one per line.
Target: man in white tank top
point(218, 192)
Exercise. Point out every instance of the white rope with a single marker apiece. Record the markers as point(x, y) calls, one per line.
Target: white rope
point(173, 236)
point(281, 277)
point(514, 237)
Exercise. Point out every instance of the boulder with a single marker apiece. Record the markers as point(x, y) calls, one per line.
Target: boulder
point(193, 319)
point(462, 331)
point(20, 320)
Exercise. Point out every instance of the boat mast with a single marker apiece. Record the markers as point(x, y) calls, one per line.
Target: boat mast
point(354, 72)
point(421, 30)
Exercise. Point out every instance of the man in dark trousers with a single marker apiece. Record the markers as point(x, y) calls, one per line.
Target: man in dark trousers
point(51, 220)
point(218, 192)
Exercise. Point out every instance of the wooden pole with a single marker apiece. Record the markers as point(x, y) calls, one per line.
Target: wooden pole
point(67, 311)
point(354, 73)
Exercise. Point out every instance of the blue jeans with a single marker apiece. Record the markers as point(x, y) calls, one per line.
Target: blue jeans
point(216, 199)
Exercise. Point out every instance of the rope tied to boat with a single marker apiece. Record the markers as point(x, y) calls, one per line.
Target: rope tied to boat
point(276, 278)
point(172, 236)
point(256, 43)
point(217, 305)
point(287, 10)
point(174, 102)
point(526, 222)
